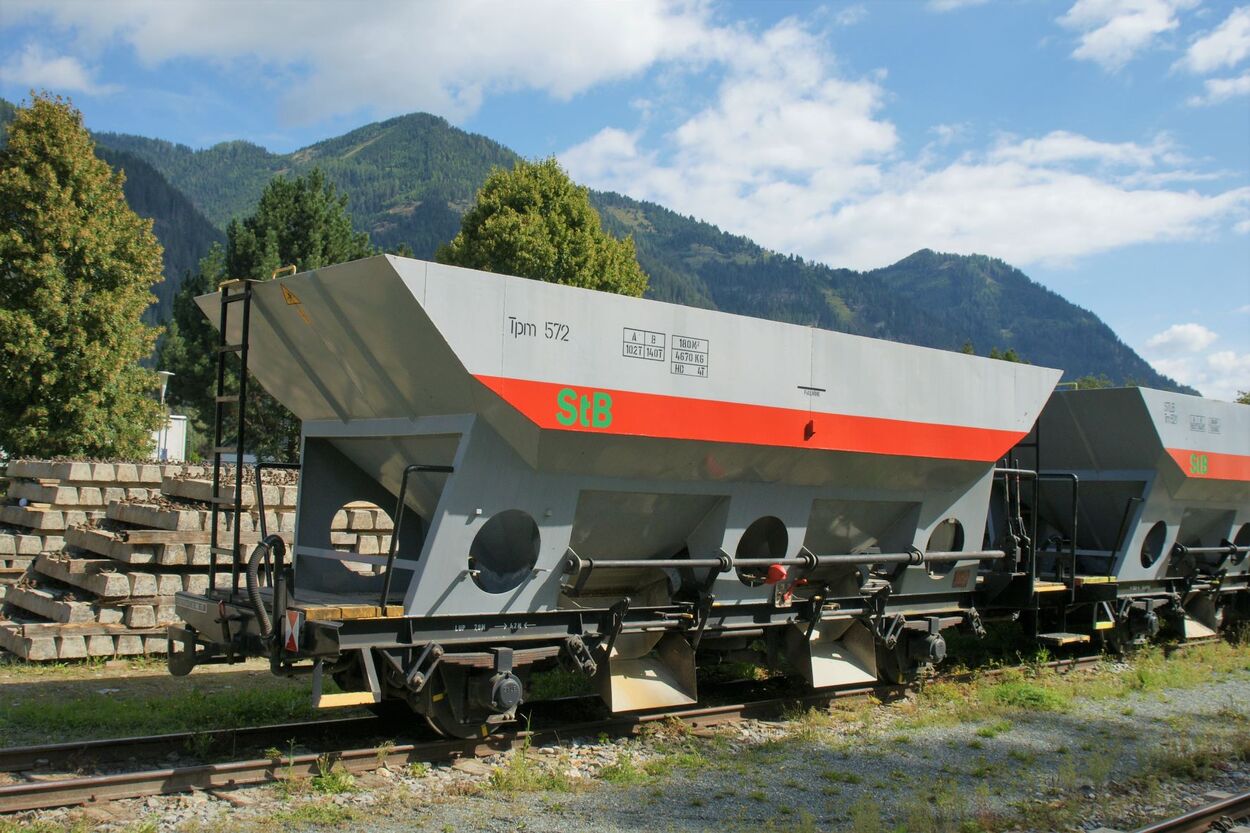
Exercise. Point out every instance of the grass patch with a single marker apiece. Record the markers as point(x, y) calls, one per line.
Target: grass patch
point(549, 685)
point(624, 770)
point(687, 759)
point(332, 778)
point(1026, 695)
point(994, 729)
point(523, 773)
point(316, 813)
point(837, 776)
point(187, 711)
point(40, 826)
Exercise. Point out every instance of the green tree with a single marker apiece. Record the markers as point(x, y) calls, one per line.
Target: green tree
point(77, 267)
point(1243, 397)
point(535, 222)
point(1091, 381)
point(301, 221)
point(1008, 355)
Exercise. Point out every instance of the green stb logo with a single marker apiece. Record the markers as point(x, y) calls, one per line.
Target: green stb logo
point(1197, 464)
point(594, 411)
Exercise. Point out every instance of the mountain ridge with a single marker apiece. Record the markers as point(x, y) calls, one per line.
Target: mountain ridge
point(409, 178)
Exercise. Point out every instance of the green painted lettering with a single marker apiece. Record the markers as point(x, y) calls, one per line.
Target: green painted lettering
point(566, 404)
point(1198, 464)
point(594, 411)
point(602, 413)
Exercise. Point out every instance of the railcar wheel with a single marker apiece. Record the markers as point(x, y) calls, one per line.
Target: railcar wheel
point(894, 666)
point(447, 708)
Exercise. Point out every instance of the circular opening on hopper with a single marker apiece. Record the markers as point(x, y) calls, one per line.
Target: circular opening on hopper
point(1152, 547)
point(766, 537)
point(504, 551)
point(361, 527)
point(948, 536)
point(1242, 540)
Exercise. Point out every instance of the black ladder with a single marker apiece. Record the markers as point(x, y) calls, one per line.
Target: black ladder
point(232, 292)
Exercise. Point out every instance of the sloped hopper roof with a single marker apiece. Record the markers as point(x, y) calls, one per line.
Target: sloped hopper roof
point(390, 337)
point(1141, 429)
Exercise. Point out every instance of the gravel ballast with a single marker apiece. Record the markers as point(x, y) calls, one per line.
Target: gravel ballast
point(1006, 757)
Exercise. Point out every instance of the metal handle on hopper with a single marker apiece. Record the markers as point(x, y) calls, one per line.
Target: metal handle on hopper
point(399, 519)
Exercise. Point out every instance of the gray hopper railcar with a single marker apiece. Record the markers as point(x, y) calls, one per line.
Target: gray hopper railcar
point(611, 484)
point(1143, 514)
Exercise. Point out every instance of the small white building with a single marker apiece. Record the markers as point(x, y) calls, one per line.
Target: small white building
point(169, 442)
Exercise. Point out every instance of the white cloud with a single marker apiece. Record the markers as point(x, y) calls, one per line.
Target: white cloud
point(851, 15)
point(1224, 46)
point(398, 56)
point(33, 68)
point(1181, 338)
point(1219, 375)
point(1221, 89)
point(1113, 31)
point(1062, 146)
point(1178, 352)
point(1244, 310)
point(803, 162)
point(952, 5)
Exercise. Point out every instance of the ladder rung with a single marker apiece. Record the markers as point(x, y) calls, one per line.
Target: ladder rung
point(225, 501)
point(222, 550)
point(231, 397)
point(226, 449)
point(230, 348)
point(230, 298)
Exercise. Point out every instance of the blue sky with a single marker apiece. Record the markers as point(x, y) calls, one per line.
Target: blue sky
point(1103, 146)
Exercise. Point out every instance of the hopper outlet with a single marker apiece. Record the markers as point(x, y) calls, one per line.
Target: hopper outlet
point(833, 653)
point(648, 671)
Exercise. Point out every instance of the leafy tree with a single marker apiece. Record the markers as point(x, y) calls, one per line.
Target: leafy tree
point(301, 221)
point(1243, 397)
point(968, 349)
point(533, 221)
point(1091, 381)
point(1008, 355)
point(77, 267)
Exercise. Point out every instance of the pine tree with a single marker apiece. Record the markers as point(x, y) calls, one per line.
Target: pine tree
point(301, 221)
point(77, 268)
point(534, 222)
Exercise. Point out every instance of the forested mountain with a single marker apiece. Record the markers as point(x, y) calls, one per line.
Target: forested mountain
point(181, 228)
point(408, 179)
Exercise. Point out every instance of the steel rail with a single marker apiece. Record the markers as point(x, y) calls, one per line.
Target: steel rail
point(1232, 808)
point(36, 795)
point(75, 754)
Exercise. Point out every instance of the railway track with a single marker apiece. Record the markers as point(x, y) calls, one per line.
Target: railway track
point(545, 721)
point(43, 794)
point(1223, 815)
point(544, 727)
